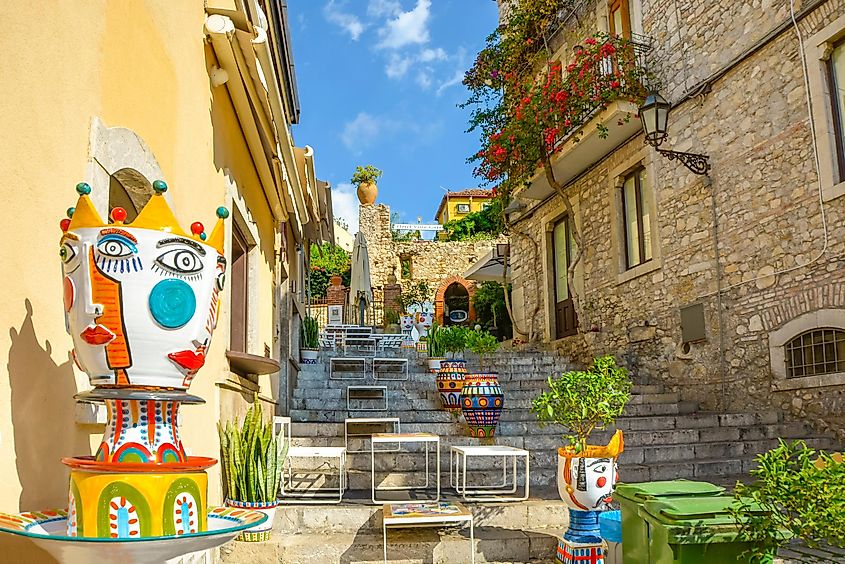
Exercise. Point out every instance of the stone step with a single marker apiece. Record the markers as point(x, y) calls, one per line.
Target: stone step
point(415, 461)
point(493, 545)
point(416, 413)
point(335, 389)
point(361, 480)
point(357, 513)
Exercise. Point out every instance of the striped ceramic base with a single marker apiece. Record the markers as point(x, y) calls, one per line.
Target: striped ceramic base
point(574, 553)
point(261, 536)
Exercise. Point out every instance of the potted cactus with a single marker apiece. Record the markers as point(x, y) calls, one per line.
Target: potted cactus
point(310, 341)
point(253, 456)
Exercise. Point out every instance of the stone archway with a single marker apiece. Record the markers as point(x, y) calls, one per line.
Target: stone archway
point(439, 298)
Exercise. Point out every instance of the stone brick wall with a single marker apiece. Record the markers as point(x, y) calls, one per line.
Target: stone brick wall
point(432, 261)
point(754, 229)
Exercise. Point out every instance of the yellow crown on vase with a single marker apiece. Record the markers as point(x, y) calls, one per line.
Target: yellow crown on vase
point(156, 215)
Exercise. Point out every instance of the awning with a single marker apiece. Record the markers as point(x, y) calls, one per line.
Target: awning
point(491, 266)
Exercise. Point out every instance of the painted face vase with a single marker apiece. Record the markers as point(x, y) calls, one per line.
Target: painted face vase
point(142, 299)
point(585, 482)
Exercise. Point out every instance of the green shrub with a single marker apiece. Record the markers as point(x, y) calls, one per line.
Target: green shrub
point(486, 223)
point(454, 339)
point(801, 493)
point(481, 343)
point(584, 400)
point(364, 174)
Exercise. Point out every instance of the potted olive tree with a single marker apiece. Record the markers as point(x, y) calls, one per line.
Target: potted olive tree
point(583, 401)
point(310, 341)
point(252, 457)
point(365, 178)
point(482, 399)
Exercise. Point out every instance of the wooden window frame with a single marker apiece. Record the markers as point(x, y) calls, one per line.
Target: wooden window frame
point(837, 112)
point(625, 7)
point(562, 332)
point(238, 340)
point(638, 204)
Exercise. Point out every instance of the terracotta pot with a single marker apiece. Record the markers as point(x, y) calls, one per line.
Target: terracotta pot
point(336, 280)
point(367, 193)
point(450, 380)
point(482, 401)
point(262, 532)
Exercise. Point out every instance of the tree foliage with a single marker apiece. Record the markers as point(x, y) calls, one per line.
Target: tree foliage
point(485, 223)
point(416, 293)
point(584, 400)
point(326, 261)
point(490, 310)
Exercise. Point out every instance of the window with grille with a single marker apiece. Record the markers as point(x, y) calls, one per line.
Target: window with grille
point(820, 351)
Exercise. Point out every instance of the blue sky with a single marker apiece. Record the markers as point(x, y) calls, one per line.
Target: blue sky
point(379, 81)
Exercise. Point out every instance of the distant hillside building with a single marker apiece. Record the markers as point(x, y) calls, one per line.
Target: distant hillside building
point(456, 205)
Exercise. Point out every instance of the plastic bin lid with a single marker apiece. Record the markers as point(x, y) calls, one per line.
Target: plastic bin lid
point(610, 526)
point(650, 490)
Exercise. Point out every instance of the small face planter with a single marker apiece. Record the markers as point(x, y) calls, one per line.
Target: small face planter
point(262, 532)
point(585, 483)
point(482, 401)
point(308, 356)
point(450, 381)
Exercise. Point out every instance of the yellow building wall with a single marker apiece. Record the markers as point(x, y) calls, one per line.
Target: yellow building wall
point(140, 65)
point(475, 205)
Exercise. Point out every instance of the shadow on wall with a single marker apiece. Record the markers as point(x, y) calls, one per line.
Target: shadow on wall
point(43, 418)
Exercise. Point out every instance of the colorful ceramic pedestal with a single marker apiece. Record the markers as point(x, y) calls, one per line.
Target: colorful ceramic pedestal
point(482, 401)
point(450, 382)
point(577, 553)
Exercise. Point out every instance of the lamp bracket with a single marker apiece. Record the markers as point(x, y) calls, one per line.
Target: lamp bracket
point(697, 163)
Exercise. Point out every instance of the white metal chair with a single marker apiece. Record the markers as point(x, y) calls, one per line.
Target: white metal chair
point(311, 494)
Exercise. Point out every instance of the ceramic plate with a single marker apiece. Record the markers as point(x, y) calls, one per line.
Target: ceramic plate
point(48, 529)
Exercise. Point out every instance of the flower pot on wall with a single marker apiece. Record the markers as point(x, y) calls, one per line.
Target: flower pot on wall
point(262, 532)
point(482, 401)
point(450, 381)
point(367, 193)
point(308, 356)
point(585, 482)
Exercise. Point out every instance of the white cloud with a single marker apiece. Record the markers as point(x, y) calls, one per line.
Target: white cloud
point(384, 8)
point(346, 21)
point(361, 131)
point(397, 65)
point(345, 205)
point(424, 79)
point(407, 28)
point(428, 55)
point(457, 78)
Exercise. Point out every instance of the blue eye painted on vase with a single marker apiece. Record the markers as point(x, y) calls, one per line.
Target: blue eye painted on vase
point(118, 254)
point(116, 246)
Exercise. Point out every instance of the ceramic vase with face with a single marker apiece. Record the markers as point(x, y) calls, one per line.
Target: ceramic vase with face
point(585, 482)
point(423, 323)
point(450, 382)
point(141, 299)
point(482, 401)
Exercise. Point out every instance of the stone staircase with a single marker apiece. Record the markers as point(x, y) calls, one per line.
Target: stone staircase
point(665, 438)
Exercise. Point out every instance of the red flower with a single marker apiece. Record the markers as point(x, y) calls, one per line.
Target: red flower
point(590, 41)
point(614, 84)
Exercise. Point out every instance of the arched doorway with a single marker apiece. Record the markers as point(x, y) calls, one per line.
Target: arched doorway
point(454, 295)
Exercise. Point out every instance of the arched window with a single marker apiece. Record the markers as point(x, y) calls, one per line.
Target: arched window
point(815, 352)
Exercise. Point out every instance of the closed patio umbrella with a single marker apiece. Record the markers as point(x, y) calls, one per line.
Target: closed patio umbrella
point(360, 285)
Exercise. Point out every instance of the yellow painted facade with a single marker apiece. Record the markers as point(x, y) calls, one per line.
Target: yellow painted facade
point(457, 206)
point(91, 89)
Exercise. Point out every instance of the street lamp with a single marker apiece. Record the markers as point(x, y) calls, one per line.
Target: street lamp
point(654, 114)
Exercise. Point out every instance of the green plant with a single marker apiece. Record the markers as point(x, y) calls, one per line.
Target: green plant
point(253, 456)
point(366, 174)
point(415, 294)
point(434, 344)
point(391, 317)
point(797, 492)
point(326, 261)
point(486, 223)
point(490, 310)
point(481, 343)
point(454, 339)
point(583, 400)
point(310, 333)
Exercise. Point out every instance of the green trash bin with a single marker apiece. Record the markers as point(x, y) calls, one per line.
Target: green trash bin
point(631, 497)
point(694, 530)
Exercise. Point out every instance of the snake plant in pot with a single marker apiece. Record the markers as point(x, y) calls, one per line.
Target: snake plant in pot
point(253, 456)
point(436, 350)
point(310, 341)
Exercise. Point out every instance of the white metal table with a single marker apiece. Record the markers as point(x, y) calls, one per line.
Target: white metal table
point(505, 491)
point(398, 439)
point(363, 428)
point(427, 514)
point(319, 494)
